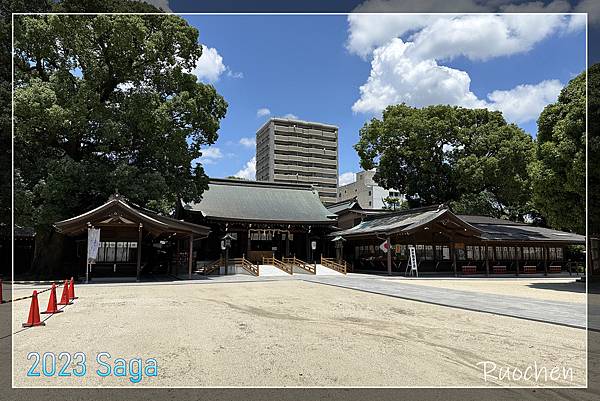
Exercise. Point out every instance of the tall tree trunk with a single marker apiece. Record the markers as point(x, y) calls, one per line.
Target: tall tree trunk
point(48, 256)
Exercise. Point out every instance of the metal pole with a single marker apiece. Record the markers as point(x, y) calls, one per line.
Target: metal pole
point(545, 252)
point(487, 261)
point(389, 256)
point(139, 253)
point(454, 259)
point(87, 262)
point(190, 256)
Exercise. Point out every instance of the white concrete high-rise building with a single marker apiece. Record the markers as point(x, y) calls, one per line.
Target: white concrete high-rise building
point(368, 194)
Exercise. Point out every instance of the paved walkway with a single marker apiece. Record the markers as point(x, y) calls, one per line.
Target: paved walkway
point(563, 313)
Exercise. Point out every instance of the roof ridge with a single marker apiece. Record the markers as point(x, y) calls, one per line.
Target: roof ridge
point(408, 211)
point(254, 183)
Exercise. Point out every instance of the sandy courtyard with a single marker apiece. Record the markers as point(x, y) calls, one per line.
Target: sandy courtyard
point(289, 333)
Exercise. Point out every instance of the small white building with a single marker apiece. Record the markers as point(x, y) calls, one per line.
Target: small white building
point(367, 192)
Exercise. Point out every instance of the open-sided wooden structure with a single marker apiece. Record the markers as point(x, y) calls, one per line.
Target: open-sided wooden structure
point(125, 228)
point(445, 241)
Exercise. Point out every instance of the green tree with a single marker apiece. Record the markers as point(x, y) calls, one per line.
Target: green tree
point(445, 154)
point(594, 148)
point(394, 203)
point(558, 173)
point(107, 103)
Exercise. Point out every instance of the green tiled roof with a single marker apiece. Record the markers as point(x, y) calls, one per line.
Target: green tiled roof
point(256, 201)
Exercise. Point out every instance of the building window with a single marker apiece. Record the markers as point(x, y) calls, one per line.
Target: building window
point(117, 252)
point(369, 193)
point(369, 203)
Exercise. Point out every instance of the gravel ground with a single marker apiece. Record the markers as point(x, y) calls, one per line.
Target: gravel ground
point(289, 333)
point(563, 289)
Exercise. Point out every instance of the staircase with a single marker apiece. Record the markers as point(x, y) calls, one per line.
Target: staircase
point(278, 264)
point(208, 268)
point(329, 266)
point(299, 266)
point(247, 266)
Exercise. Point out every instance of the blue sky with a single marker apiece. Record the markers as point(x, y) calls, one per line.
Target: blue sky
point(313, 67)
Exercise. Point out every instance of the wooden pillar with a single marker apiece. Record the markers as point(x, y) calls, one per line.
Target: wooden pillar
point(190, 256)
point(487, 262)
point(389, 256)
point(521, 256)
point(308, 250)
point(177, 257)
point(454, 259)
point(545, 254)
point(249, 243)
point(287, 244)
point(139, 254)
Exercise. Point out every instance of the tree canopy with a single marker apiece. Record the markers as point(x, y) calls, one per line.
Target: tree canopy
point(558, 172)
point(594, 148)
point(471, 158)
point(108, 103)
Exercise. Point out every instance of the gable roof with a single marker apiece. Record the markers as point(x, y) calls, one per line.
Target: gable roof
point(344, 205)
point(257, 201)
point(486, 228)
point(406, 221)
point(118, 211)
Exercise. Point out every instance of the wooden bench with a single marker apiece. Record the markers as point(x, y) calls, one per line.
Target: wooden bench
point(555, 269)
point(469, 269)
point(529, 269)
point(500, 269)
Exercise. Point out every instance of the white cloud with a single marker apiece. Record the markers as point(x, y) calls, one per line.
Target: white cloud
point(249, 171)
point(525, 102)
point(210, 155)
point(291, 116)
point(368, 31)
point(592, 7)
point(209, 66)
point(445, 37)
point(263, 112)
point(346, 178)
point(236, 75)
point(410, 71)
point(481, 37)
point(162, 4)
point(396, 78)
point(248, 142)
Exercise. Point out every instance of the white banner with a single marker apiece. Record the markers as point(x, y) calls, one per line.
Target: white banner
point(93, 244)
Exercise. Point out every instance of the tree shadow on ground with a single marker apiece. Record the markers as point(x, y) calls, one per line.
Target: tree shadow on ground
point(574, 286)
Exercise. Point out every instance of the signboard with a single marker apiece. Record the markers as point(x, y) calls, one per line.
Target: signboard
point(412, 266)
point(93, 244)
point(397, 248)
point(313, 245)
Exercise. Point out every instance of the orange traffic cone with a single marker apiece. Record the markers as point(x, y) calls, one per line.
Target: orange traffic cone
point(34, 313)
point(72, 290)
point(64, 298)
point(52, 308)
